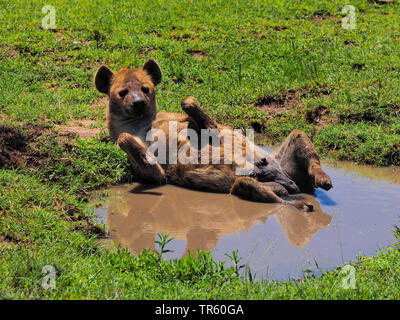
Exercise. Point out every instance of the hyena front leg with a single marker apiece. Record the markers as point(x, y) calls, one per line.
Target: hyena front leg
point(192, 108)
point(136, 149)
point(253, 190)
point(298, 157)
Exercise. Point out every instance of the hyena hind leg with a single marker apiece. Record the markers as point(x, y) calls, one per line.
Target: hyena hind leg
point(134, 147)
point(250, 189)
point(205, 178)
point(277, 188)
point(299, 158)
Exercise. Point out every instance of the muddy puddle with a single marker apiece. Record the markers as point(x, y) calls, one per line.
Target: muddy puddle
point(356, 217)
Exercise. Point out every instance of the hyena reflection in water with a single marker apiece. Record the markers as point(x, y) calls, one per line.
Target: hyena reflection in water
point(135, 215)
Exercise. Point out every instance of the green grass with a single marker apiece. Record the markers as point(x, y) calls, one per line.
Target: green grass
point(47, 224)
point(344, 85)
point(250, 53)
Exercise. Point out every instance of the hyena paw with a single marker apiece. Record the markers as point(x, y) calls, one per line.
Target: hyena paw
point(146, 164)
point(323, 181)
point(136, 150)
point(131, 145)
point(190, 102)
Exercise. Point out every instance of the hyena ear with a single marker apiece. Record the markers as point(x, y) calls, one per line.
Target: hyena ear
point(102, 79)
point(154, 71)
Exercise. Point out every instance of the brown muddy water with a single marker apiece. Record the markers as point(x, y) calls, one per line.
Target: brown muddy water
point(356, 217)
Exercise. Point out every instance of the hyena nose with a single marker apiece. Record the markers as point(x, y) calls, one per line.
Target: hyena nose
point(138, 105)
point(137, 98)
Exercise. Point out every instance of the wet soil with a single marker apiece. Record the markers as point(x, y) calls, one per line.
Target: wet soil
point(18, 145)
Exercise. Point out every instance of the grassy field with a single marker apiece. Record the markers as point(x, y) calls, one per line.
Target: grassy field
point(272, 66)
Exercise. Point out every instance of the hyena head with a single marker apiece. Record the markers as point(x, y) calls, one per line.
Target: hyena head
point(131, 92)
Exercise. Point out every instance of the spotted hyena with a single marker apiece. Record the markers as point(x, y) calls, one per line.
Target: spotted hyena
point(132, 115)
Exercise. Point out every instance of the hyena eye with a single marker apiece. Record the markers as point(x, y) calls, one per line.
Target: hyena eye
point(145, 90)
point(123, 93)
